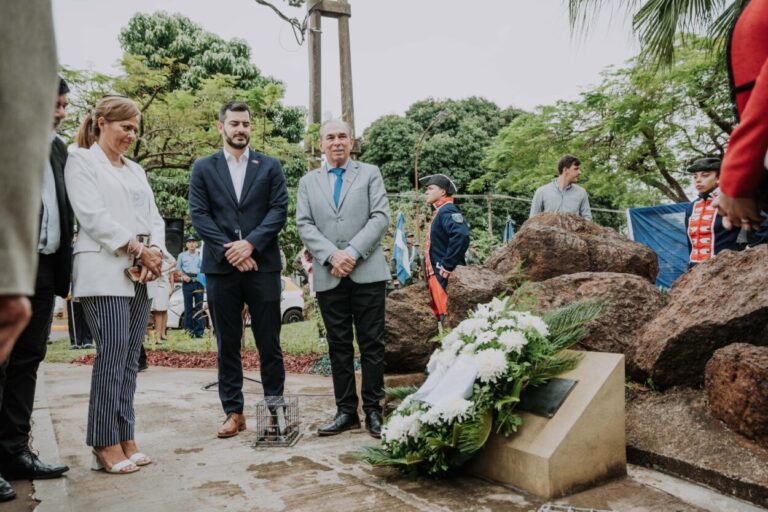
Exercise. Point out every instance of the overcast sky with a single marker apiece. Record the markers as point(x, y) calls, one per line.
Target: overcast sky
point(514, 52)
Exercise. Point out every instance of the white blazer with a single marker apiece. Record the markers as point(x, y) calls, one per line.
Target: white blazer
point(107, 220)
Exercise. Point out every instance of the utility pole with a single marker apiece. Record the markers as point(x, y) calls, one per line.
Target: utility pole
point(342, 11)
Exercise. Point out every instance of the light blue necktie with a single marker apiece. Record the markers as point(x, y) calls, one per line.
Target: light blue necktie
point(339, 172)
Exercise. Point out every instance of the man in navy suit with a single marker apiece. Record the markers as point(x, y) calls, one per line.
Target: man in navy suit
point(238, 203)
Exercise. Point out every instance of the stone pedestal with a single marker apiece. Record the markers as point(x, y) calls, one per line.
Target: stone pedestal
point(581, 445)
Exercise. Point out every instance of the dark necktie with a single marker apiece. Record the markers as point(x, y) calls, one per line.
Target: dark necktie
point(339, 172)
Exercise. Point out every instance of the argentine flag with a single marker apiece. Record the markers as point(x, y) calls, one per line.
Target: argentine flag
point(400, 251)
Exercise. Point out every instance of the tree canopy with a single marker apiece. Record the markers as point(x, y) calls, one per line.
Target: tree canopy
point(636, 132)
point(180, 76)
point(454, 144)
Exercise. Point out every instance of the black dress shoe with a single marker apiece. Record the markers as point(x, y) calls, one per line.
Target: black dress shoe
point(6, 491)
point(27, 466)
point(341, 423)
point(373, 423)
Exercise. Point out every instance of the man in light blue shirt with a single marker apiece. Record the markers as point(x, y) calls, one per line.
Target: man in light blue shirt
point(188, 265)
point(562, 195)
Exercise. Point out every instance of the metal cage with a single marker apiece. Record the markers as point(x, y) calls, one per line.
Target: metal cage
point(277, 421)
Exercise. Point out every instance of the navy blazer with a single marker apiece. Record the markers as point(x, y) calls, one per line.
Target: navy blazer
point(220, 218)
point(63, 256)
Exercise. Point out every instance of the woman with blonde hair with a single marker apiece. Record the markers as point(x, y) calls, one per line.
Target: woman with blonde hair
point(118, 253)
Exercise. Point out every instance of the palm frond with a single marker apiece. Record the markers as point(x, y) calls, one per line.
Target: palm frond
point(475, 432)
point(574, 315)
point(553, 367)
point(567, 339)
point(400, 393)
point(378, 456)
point(582, 12)
point(659, 23)
point(719, 29)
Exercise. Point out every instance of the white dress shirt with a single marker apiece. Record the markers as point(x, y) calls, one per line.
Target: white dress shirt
point(50, 230)
point(237, 167)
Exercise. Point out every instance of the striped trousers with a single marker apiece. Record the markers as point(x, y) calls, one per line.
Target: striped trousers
point(118, 325)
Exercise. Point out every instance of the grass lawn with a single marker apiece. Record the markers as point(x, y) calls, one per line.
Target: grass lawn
point(297, 339)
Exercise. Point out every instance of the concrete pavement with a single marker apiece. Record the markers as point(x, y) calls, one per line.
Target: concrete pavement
point(193, 470)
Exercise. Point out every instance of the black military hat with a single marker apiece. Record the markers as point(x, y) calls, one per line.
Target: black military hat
point(441, 180)
point(705, 164)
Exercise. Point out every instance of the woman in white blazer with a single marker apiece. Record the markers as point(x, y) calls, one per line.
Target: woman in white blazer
point(114, 205)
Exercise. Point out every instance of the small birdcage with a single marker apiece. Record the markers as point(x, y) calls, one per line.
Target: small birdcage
point(277, 421)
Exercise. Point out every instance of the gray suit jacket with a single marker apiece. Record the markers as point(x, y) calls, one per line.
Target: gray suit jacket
point(361, 220)
point(28, 87)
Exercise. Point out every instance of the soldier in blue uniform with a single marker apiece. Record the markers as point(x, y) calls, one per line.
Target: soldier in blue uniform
point(447, 239)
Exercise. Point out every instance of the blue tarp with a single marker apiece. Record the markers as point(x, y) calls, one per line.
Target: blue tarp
point(662, 228)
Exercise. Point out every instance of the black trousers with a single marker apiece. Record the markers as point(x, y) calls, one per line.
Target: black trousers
point(79, 332)
point(227, 295)
point(361, 305)
point(18, 386)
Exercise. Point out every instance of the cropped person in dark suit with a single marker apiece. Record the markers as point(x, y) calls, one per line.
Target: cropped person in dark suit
point(238, 202)
point(54, 248)
point(342, 214)
point(27, 93)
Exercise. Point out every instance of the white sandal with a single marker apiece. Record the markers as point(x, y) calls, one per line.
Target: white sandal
point(123, 467)
point(140, 459)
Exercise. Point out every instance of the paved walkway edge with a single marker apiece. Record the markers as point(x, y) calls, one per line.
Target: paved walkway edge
point(723, 483)
point(52, 494)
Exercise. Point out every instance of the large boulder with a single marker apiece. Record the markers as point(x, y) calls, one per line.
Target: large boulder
point(736, 380)
point(409, 327)
point(632, 302)
point(719, 302)
point(553, 244)
point(470, 286)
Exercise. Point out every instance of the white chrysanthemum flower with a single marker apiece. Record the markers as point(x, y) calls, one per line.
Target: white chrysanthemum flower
point(455, 409)
point(525, 320)
point(447, 411)
point(400, 428)
point(492, 364)
point(497, 304)
point(452, 342)
point(472, 326)
point(505, 323)
point(485, 337)
point(513, 341)
point(482, 311)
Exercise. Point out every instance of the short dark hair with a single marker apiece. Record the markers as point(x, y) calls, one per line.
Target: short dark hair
point(63, 87)
point(565, 162)
point(232, 106)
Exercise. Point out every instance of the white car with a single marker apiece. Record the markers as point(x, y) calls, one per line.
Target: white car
point(291, 305)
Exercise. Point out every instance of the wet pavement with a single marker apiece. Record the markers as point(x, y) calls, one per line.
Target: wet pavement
point(177, 420)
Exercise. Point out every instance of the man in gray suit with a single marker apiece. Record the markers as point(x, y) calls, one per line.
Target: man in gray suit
point(27, 98)
point(342, 214)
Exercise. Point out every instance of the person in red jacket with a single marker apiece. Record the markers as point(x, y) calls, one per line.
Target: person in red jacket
point(744, 167)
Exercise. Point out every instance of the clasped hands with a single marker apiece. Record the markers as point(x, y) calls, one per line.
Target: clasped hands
point(738, 212)
point(239, 255)
point(342, 264)
point(149, 260)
